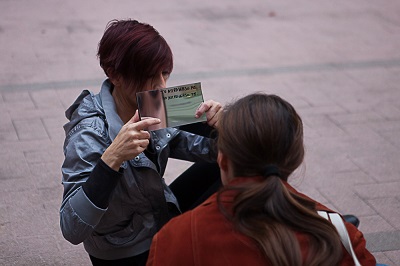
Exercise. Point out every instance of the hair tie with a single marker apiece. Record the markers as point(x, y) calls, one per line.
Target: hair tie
point(271, 170)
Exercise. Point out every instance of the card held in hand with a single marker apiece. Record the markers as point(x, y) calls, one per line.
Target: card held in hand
point(174, 106)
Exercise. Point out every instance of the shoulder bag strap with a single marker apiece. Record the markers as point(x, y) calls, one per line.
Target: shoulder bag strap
point(337, 221)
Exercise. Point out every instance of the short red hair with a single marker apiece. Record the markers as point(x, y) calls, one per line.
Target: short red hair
point(134, 50)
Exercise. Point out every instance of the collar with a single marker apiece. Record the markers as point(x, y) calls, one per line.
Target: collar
point(113, 120)
point(228, 196)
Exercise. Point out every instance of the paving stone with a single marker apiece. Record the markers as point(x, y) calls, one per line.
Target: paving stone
point(54, 128)
point(382, 126)
point(382, 258)
point(8, 135)
point(28, 145)
point(311, 191)
point(374, 224)
point(19, 96)
point(16, 107)
point(37, 244)
point(375, 191)
point(68, 95)
point(380, 79)
point(323, 161)
point(363, 142)
point(5, 225)
point(13, 165)
point(46, 99)
point(383, 241)
point(388, 111)
point(345, 201)
point(29, 214)
point(43, 156)
point(356, 118)
point(30, 129)
point(11, 249)
point(388, 208)
point(310, 134)
point(46, 174)
point(37, 113)
point(392, 137)
point(394, 256)
point(321, 123)
point(27, 259)
point(386, 170)
point(9, 186)
point(7, 130)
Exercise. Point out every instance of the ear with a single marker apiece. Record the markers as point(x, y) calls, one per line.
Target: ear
point(114, 77)
point(223, 161)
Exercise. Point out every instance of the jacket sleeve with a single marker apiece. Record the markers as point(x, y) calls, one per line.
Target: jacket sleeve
point(356, 237)
point(83, 148)
point(191, 147)
point(359, 245)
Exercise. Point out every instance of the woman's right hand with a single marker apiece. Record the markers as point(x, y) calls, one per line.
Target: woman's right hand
point(131, 140)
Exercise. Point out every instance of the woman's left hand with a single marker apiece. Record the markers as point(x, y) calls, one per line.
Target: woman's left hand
point(212, 109)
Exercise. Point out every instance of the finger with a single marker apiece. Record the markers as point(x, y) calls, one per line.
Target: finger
point(213, 115)
point(213, 111)
point(141, 143)
point(212, 121)
point(204, 107)
point(143, 124)
point(135, 118)
point(142, 134)
point(136, 147)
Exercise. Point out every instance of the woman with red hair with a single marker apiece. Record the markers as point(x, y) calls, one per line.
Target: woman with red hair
point(115, 198)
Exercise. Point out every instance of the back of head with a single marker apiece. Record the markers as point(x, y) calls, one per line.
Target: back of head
point(134, 50)
point(254, 133)
point(260, 130)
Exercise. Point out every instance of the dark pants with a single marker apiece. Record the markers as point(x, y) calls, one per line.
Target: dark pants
point(140, 259)
point(191, 188)
point(196, 184)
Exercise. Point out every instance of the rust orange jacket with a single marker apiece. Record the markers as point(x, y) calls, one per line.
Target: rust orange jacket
point(204, 236)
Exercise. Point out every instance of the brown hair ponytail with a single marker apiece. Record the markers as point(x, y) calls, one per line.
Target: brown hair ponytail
point(260, 130)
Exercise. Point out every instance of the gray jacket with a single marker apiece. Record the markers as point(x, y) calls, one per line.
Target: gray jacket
point(127, 226)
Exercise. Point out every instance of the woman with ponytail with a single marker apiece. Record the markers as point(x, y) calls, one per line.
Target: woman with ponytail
point(257, 218)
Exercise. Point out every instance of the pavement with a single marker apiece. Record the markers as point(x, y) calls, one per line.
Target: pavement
point(337, 62)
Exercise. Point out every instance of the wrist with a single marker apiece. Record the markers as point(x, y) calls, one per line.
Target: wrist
point(111, 160)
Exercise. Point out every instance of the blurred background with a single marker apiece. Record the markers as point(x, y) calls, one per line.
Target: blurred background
point(337, 62)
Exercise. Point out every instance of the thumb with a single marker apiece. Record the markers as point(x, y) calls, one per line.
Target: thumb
point(135, 118)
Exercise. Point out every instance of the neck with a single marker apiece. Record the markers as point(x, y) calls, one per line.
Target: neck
point(126, 107)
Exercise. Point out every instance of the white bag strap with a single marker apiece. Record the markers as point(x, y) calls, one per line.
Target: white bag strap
point(337, 221)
